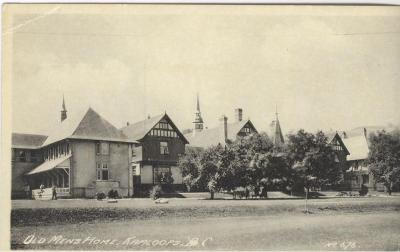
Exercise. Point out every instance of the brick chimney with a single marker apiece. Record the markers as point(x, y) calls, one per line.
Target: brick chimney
point(344, 135)
point(224, 127)
point(238, 115)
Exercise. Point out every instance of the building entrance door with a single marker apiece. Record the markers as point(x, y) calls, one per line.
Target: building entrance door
point(136, 186)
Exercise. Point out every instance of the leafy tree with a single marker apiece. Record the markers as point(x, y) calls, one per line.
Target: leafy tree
point(299, 144)
point(313, 159)
point(272, 169)
point(246, 150)
point(190, 165)
point(384, 158)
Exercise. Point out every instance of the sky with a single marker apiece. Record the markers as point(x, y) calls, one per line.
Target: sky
point(322, 67)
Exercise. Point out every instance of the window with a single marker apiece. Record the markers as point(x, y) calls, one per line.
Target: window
point(21, 156)
point(102, 171)
point(105, 148)
point(98, 148)
point(163, 129)
point(365, 178)
point(102, 148)
point(35, 156)
point(162, 175)
point(133, 151)
point(104, 174)
point(164, 148)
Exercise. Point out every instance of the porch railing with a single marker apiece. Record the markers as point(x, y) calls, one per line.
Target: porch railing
point(47, 193)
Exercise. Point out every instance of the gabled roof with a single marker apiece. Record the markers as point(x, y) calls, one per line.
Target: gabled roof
point(206, 137)
point(89, 126)
point(139, 130)
point(215, 136)
point(332, 136)
point(358, 147)
point(27, 141)
point(276, 134)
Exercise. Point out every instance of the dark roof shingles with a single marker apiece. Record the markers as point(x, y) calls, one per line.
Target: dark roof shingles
point(28, 141)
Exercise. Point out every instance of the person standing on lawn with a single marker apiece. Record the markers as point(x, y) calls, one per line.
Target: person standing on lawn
point(54, 193)
point(41, 190)
point(27, 190)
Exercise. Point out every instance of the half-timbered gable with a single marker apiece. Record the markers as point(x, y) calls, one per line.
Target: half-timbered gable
point(247, 129)
point(156, 156)
point(336, 143)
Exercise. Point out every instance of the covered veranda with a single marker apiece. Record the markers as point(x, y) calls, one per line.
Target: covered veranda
point(54, 172)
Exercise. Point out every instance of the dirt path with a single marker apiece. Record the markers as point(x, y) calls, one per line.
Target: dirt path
point(355, 231)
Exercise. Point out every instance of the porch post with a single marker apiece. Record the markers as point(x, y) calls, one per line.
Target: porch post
point(63, 182)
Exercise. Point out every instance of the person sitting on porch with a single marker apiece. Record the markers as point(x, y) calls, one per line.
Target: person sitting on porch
point(54, 193)
point(41, 190)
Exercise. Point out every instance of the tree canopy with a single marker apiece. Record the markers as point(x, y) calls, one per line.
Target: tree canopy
point(253, 161)
point(384, 158)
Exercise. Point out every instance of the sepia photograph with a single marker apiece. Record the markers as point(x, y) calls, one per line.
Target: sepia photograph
point(179, 127)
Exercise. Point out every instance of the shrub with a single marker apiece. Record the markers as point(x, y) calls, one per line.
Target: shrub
point(155, 192)
point(100, 196)
point(113, 194)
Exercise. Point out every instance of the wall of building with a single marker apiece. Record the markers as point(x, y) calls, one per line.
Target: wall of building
point(18, 169)
point(84, 178)
point(146, 174)
point(151, 148)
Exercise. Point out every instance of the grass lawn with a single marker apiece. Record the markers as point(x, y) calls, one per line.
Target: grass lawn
point(182, 224)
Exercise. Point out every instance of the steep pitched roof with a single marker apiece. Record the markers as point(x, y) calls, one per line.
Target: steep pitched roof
point(139, 130)
point(335, 136)
point(89, 126)
point(215, 136)
point(276, 134)
point(27, 141)
point(358, 147)
point(234, 128)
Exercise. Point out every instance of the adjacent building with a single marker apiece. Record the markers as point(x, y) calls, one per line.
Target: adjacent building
point(155, 158)
point(223, 134)
point(26, 155)
point(358, 172)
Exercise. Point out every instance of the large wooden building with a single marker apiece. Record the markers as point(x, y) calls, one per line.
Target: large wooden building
point(155, 158)
point(83, 155)
point(358, 172)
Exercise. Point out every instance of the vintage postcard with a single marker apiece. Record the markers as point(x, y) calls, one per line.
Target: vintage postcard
point(200, 127)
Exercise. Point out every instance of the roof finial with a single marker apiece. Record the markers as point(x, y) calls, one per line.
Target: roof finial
point(276, 111)
point(63, 104)
point(63, 111)
point(198, 103)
